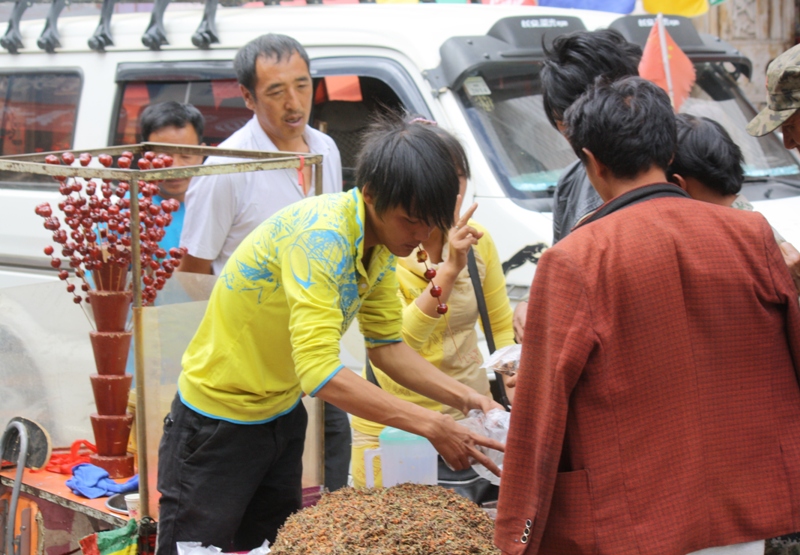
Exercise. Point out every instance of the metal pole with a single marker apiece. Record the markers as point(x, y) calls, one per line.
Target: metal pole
point(662, 38)
point(318, 179)
point(23, 455)
point(138, 352)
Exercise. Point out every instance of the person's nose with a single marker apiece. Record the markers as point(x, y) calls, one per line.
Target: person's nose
point(292, 100)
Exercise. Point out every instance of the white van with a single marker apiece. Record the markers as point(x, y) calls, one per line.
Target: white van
point(472, 68)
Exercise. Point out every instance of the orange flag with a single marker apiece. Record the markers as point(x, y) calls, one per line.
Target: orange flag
point(666, 65)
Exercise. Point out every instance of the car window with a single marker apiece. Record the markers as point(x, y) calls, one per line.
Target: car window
point(38, 112)
point(219, 101)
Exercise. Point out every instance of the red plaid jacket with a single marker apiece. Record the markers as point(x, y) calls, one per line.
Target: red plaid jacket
point(658, 406)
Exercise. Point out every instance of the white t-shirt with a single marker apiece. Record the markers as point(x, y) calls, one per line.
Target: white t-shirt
point(221, 210)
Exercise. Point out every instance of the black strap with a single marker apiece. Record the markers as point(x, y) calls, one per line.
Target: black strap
point(640, 194)
point(475, 276)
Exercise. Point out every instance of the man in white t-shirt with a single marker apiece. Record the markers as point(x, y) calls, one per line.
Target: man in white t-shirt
point(221, 210)
point(274, 78)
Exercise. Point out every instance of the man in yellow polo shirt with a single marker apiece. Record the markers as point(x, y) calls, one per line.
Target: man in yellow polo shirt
point(230, 459)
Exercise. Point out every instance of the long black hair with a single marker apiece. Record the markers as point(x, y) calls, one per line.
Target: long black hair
point(707, 153)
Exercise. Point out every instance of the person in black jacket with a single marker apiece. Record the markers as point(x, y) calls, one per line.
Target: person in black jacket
point(573, 63)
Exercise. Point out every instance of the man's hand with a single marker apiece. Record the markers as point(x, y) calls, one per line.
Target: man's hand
point(792, 259)
point(457, 445)
point(520, 314)
point(511, 383)
point(481, 403)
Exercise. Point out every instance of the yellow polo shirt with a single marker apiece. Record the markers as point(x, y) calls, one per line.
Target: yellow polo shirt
point(450, 343)
point(282, 303)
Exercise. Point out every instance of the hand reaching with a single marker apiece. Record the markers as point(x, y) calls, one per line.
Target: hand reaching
point(792, 259)
point(520, 315)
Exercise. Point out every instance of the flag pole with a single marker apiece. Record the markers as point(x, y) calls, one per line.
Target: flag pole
point(662, 38)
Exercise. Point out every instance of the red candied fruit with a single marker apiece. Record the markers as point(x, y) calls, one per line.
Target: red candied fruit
point(44, 210)
point(106, 160)
point(68, 158)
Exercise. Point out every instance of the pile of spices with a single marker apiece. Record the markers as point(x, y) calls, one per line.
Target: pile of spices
point(408, 519)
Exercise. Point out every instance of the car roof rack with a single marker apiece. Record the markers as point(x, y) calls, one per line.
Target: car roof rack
point(515, 40)
point(154, 37)
point(699, 47)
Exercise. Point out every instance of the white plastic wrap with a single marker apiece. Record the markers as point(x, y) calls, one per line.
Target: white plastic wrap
point(196, 548)
point(505, 360)
point(493, 425)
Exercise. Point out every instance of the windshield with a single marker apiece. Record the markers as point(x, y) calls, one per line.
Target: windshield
point(504, 109)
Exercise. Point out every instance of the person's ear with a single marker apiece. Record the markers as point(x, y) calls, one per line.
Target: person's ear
point(249, 101)
point(593, 165)
point(366, 194)
point(679, 181)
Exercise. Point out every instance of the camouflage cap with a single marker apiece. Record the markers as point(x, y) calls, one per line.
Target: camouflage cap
point(783, 93)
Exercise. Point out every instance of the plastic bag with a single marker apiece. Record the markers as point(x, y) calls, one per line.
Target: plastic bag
point(196, 548)
point(493, 425)
point(505, 360)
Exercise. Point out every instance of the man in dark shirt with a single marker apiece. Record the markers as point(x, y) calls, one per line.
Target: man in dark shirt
point(571, 66)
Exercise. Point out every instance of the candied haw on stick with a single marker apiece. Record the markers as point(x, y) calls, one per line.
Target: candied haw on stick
point(44, 210)
point(97, 226)
point(430, 273)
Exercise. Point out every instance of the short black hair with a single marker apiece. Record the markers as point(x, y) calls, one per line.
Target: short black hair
point(575, 61)
point(267, 46)
point(170, 114)
point(707, 153)
point(409, 164)
point(628, 125)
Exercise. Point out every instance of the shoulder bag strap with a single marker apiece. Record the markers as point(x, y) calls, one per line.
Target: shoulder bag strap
point(370, 373)
point(475, 276)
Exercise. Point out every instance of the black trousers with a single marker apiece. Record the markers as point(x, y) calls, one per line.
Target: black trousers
point(228, 485)
point(337, 447)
